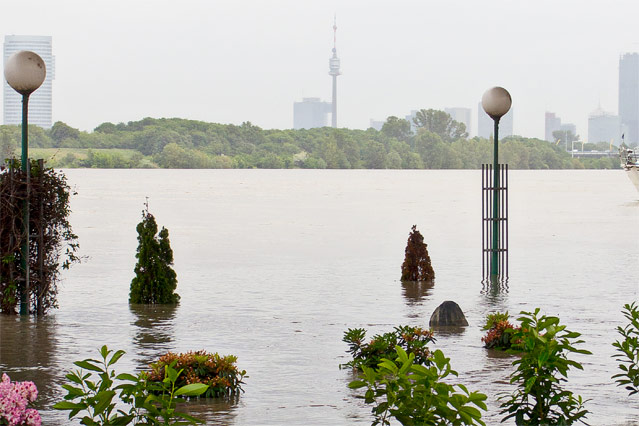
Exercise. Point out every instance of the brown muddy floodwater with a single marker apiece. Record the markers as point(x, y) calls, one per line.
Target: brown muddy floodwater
point(274, 265)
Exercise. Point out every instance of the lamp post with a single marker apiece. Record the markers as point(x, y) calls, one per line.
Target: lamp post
point(25, 71)
point(496, 102)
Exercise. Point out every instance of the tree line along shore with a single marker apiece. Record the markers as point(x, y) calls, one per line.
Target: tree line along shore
point(438, 143)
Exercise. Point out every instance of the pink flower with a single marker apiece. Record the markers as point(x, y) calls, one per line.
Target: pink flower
point(14, 399)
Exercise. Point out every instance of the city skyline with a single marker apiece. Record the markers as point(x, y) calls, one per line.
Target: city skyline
point(224, 62)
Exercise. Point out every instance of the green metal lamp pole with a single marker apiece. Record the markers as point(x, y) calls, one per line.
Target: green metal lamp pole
point(494, 264)
point(24, 294)
point(25, 72)
point(496, 102)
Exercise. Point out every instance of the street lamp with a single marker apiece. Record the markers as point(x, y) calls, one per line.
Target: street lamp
point(496, 102)
point(25, 71)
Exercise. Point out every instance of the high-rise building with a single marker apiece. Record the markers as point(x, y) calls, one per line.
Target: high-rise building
point(604, 127)
point(40, 101)
point(310, 113)
point(486, 126)
point(552, 124)
point(629, 96)
point(376, 124)
point(557, 132)
point(461, 115)
point(333, 65)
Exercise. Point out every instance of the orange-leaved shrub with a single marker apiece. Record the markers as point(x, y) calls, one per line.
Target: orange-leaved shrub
point(218, 372)
point(499, 331)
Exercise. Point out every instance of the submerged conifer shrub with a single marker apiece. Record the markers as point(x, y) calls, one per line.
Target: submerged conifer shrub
point(155, 280)
point(416, 266)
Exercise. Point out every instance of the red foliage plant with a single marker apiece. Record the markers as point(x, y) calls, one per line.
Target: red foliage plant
point(416, 266)
point(218, 372)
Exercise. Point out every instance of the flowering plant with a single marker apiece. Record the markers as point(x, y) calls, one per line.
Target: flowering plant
point(15, 398)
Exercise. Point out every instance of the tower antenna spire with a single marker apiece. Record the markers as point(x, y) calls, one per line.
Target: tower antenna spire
point(333, 66)
point(335, 33)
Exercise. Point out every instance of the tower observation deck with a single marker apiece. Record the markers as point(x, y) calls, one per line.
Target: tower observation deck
point(333, 64)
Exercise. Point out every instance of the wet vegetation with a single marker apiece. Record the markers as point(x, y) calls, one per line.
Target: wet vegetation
point(410, 339)
point(155, 280)
point(219, 373)
point(499, 331)
point(52, 244)
point(628, 350)
point(417, 266)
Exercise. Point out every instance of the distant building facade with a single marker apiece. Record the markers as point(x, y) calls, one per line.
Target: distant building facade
point(310, 113)
point(461, 115)
point(604, 127)
point(410, 118)
point(629, 96)
point(376, 124)
point(552, 124)
point(40, 101)
point(486, 126)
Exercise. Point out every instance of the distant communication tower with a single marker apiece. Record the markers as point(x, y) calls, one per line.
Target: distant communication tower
point(333, 64)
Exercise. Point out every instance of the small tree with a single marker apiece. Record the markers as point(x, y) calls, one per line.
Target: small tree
point(628, 350)
point(155, 281)
point(415, 394)
point(416, 266)
point(540, 398)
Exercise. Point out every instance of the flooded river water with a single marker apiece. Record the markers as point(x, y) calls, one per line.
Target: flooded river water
point(274, 265)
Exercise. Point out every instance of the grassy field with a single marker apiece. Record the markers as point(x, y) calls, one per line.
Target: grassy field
point(77, 157)
point(79, 153)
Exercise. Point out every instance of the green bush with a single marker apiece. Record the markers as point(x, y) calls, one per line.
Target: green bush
point(500, 331)
point(417, 395)
point(540, 398)
point(628, 350)
point(134, 401)
point(219, 373)
point(155, 280)
point(411, 339)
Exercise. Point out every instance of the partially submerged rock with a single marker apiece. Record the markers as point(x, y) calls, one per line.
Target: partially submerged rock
point(448, 314)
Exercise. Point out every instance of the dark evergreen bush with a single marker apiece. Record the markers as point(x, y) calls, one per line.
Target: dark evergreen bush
point(155, 280)
point(416, 266)
point(52, 245)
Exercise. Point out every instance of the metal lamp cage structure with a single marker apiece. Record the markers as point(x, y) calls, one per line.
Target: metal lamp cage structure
point(490, 220)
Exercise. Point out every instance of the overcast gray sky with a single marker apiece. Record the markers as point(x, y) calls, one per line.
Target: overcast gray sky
point(249, 60)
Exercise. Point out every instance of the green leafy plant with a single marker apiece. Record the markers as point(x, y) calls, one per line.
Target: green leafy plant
point(540, 398)
point(416, 266)
point(494, 318)
point(155, 280)
point(97, 399)
point(411, 339)
point(499, 329)
point(628, 350)
point(415, 394)
point(219, 373)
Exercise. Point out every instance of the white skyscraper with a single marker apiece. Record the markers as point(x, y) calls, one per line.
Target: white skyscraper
point(486, 125)
point(40, 100)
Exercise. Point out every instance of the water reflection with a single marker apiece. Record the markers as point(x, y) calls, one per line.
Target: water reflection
point(416, 291)
point(154, 331)
point(27, 348)
point(213, 410)
point(495, 289)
